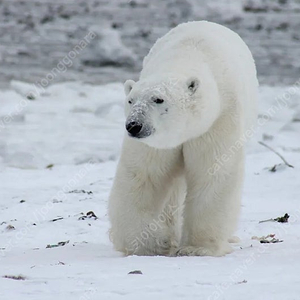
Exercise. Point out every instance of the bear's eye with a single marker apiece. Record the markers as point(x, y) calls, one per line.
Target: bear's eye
point(158, 101)
point(130, 102)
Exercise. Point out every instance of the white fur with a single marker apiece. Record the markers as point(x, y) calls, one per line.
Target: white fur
point(172, 195)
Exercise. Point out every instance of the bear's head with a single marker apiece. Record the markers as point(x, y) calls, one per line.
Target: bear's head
point(164, 113)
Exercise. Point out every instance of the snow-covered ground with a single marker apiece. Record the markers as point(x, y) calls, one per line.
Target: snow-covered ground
point(58, 155)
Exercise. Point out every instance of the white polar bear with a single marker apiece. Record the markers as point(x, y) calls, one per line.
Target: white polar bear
point(183, 155)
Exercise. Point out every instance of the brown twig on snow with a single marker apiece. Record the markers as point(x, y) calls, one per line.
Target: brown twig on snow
point(283, 159)
point(283, 219)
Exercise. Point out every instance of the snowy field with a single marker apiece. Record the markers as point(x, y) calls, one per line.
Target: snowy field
point(58, 155)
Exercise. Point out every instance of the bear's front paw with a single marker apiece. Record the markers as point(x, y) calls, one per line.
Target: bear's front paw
point(162, 243)
point(163, 246)
point(200, 251)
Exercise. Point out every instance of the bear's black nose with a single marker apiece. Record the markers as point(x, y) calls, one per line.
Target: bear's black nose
point(133, 128)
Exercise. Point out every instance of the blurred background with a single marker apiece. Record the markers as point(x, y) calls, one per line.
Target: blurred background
point(35, 35)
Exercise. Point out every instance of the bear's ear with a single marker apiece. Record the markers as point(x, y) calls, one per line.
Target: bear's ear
point(128, 85)
point(193, 84)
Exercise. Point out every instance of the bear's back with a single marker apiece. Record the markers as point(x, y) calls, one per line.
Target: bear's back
point(202, 35)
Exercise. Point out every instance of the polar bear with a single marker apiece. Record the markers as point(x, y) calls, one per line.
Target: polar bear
point(177, 188)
